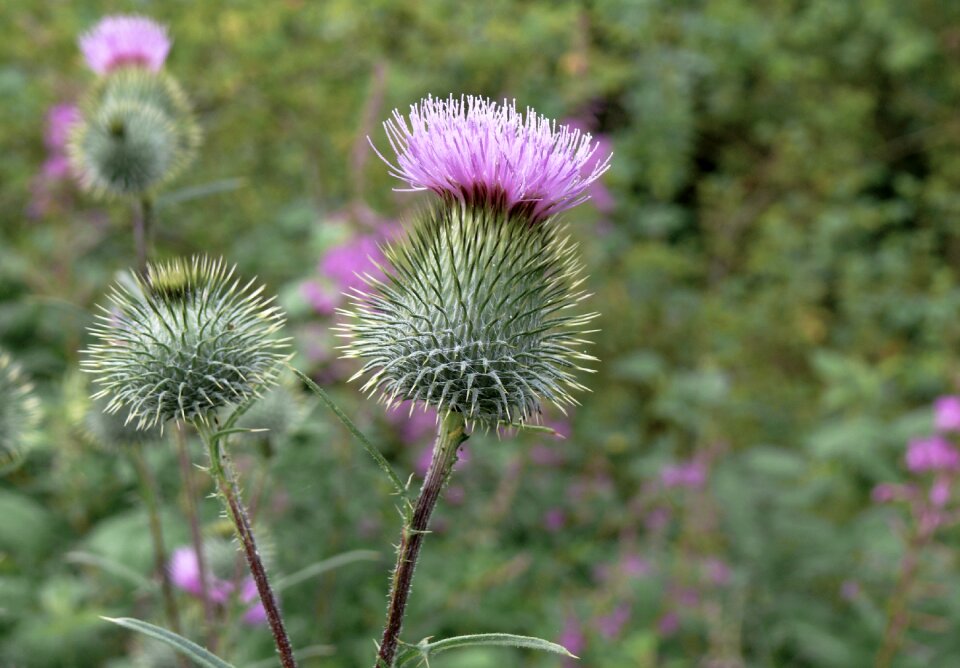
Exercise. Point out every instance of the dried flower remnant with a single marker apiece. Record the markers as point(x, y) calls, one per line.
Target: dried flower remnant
point(118, 41)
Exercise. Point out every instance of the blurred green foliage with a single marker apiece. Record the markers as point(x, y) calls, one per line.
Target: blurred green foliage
point(779, 289)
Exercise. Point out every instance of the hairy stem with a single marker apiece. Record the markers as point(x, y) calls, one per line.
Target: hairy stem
point(148, 489)
point(196, 537)
point(449, 437)
point(224, 475)
point(143, 232)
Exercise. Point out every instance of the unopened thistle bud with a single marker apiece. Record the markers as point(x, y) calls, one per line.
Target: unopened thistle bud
point(184, 342)
point(19, 414)
point(477, 314)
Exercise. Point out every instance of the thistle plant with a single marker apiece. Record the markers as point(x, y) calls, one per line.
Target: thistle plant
point(478, 314)
point(137, 130)
point(19, 414)
point(183, 342)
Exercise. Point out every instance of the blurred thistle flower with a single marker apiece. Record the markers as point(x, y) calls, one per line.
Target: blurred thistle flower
point(19, 414)
point(483, 153)
point(183, 342)
point(185, 575)
point(932, 454)
point(111, 430)
point(60, 121)
point(220, 557)
point(342, 269)
point(119, 41)
point(610, 626)
point(946, 412)
point(255, 615)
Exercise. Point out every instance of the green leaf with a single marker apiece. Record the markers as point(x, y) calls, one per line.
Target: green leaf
point(197, 192)
point(192, 650)
point(325, 565)
point(352, 428)
point(111, 566)
point(425, 649)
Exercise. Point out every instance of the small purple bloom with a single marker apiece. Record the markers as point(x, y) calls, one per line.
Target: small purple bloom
point(125, 40)
point(692, 474)
point(347, 263)
point(669, 624)
point(60, 119)
point(611, 625)
point(255, 615)
point(884, 493)
point(932, 454)
point(484, 153)
point(717, 571)
point(946, 411)
point(850, 590)
point(554, 519)
point(414, 428)
point(185, 574)
point(940, 492)
point(572, 636)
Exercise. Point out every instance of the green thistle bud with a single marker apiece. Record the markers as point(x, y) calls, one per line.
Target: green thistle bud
point(184, 342)
point(19, 414)
point(475, 317)
point(125, 148)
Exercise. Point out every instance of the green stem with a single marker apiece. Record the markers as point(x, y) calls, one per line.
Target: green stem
point(225, 477)
point(148, 489)
point(209, 611)
point(450, 436)
point(143, 232)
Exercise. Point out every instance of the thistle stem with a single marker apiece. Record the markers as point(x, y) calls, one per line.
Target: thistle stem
point(148, 490)
point(224, 475)
point(209, 611)
point(449, 437)
point(143, 232)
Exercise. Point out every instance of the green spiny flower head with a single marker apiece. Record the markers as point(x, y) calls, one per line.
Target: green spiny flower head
point(19, 414)
point(138, 132)
point(184, 342)
point(125, 148)
point(477, 316)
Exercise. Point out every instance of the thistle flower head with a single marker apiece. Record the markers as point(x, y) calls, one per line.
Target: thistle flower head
point(183, 342)
point(126, 148)
point(19, 414)
point(118, 41)
point(483, 153)
point(475, 316)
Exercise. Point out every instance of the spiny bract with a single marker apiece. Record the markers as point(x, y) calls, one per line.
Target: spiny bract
point(19, 414)
point(475, 316)
point(183, 342)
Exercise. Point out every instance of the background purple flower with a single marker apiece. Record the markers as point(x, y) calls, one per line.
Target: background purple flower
point(692, 474)
point(486, 153)
point(946, 413)
point(255, 615)
point(932, 454)
point(125, 40)
point(185, 574)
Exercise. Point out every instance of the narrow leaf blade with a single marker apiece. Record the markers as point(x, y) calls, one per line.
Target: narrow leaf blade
point(321, 567)
point(190, 649)
point(497, 640)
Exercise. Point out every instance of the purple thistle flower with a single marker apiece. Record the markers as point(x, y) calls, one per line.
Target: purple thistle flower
point(125, 40)
point(946, 411)
point(572, 636)
point(611, 625)
point(932, 454)
point(488, 154)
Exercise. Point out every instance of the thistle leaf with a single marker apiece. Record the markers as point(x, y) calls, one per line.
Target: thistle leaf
point(192, 650)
